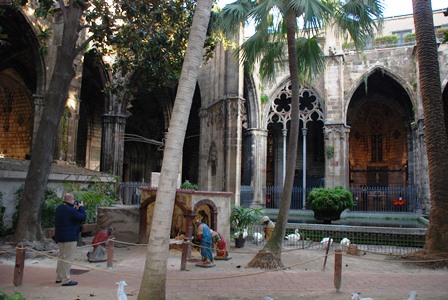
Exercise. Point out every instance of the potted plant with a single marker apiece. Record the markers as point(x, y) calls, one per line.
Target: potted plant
point(240, 219)
point(329, 203)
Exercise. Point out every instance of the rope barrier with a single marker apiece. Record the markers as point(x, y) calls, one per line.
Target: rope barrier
point(233, 275)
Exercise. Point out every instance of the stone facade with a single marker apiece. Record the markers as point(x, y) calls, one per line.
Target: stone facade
point(368, 129)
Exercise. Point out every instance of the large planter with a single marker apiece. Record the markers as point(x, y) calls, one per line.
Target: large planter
point(327, 217)
point(329, 203)
point(239, 242)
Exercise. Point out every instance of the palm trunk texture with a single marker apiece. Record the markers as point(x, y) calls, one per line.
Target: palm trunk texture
point(435, 130)
point(153, 285)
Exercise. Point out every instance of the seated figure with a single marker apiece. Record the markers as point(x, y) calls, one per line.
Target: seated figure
point(99, 242)
point(220, 241)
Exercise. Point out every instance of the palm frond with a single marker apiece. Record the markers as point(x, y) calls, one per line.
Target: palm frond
point(360, 18)
point(311, 59)
point(233, 15)
point(315, 14)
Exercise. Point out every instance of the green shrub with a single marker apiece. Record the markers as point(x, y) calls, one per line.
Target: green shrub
point(386, 40)
point(187, 185)
point(327, 200)
point(94, 196)
point(14, 296)
point(242, 217)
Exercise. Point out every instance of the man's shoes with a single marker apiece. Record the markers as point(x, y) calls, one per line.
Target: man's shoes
point(70, 283)
point(58, 281)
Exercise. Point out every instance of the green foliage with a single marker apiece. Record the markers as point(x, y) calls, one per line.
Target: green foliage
point(327, 200)
point(386, 40)
point(96, 195)
point(329, 152)
point(149, 40)
point(264, 99)
point(14, 296)
point(348, 46)
point(242, 217)
point(187, 185)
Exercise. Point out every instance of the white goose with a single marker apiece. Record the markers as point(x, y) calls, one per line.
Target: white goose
point(293, 238)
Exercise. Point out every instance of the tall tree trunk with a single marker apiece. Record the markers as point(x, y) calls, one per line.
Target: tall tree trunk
point(272, 258)
point(29, 221)
point(153, 285)
point(435, 130)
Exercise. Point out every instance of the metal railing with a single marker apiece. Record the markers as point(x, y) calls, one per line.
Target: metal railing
point(129, 192)
point(378, 239)
point(373, 199)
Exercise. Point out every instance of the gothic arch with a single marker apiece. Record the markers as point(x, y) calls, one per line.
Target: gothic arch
point(252, 103)
point(213, 210)
point(385, 71)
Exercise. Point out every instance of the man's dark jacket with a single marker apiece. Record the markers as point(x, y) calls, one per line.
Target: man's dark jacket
point(67, 222)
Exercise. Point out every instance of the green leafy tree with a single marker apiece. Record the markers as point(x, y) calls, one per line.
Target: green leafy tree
point(149, 36)
point(278, 40)
point(435, 127)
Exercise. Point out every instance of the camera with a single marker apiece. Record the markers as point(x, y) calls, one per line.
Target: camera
point(76, 203)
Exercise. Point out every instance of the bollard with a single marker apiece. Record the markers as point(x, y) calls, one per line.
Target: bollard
point(20, 264)
point(110, 253)
point(186, 245)
point(337, 269)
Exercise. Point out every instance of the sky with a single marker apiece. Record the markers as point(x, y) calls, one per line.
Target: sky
point(404, 7)
point(392, 7)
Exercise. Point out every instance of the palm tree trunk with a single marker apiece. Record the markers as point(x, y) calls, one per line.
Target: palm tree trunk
point(153, 285)
point(435, 130)
point(270, 256)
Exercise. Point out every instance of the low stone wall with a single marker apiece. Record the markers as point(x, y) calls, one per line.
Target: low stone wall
point(123, 219)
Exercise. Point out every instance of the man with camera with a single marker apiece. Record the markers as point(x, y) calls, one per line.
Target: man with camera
point(68, 219)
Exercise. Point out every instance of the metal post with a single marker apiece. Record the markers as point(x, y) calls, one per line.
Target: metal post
point(326, 252)
point(186, 245)
point(337, 269)
point(285, 133)
point(304, 131)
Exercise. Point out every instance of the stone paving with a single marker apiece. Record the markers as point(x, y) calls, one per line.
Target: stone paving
point(376, 276)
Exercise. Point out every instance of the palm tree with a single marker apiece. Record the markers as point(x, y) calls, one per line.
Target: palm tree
point(435, 130)
point(153, 285)
point(276, 22)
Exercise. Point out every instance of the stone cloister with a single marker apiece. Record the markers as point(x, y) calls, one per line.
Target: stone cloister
point(362, 119)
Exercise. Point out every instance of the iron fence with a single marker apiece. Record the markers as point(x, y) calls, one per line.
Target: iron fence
point(129, 192)
point(374, 199)
point(384, 240)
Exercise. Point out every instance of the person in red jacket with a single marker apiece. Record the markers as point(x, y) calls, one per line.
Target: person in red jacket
point(67, 223)
point(99, 244)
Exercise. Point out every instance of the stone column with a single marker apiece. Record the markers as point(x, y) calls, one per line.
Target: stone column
point(232, 147)
point(258, 169)
point(112, 144)
point(336, 155)
point(72, 133)
point(418, 167)
point(39, 105)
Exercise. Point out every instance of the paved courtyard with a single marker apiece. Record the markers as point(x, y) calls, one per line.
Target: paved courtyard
point(376, 276)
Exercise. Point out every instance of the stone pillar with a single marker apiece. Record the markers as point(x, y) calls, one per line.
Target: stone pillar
point(233, 147)
point(72, 133)
point(39, 105)
point(418, 167)
point(112, 144)
point(258, 169)
point(336, 155)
